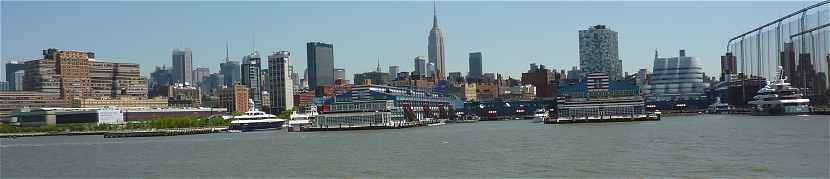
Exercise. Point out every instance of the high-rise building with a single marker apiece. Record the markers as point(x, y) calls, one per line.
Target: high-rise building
point(393, 72)
point(251, 77)
point(279, 77)
point(159, 80)
point(432, 70)
point(234, 98)
point(199, 74)
point(436, 46)
point(642, 80)
point(212, 83)
point(541, 78)
point(264, 82)
point(677, 79)
point(295, 78)
point(113, 80)
point(182, 65)
point(598, 52)
point(230, 70)
point(805, 74)
point(787, 60)
point(339, 74)
point(475, 66)
point(4, 86)
point(64, 72)
point(420, 66)
point(75, 75)
point(18, 81)
point(11, 68)
point(320, 65)
point(728, 65)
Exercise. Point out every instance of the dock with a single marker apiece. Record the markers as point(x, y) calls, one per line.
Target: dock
point(602, 120)
point(162, 132)
point(366, 127)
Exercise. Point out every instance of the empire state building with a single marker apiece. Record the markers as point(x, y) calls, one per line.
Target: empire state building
point(436, 47)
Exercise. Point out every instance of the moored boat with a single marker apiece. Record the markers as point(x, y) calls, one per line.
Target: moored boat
point(540, 115)
point(779, 98)
point(255, 119)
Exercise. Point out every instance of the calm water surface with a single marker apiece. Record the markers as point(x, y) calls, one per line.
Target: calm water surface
point(688, 146)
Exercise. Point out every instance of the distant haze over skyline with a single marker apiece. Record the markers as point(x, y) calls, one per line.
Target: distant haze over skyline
point(511, 35)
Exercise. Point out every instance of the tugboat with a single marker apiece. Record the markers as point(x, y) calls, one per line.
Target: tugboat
point(778, 98)
point(255, 119)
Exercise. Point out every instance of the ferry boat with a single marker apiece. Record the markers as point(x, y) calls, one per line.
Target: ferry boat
point(718, 107)
point(779, 98)
point(255, 119)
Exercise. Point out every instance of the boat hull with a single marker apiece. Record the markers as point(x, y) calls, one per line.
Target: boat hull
point(254, 126)
point(782, 110)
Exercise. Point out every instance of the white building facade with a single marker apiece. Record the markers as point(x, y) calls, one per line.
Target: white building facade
point(677, 78)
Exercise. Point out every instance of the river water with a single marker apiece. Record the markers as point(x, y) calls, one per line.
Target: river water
point(683, 146)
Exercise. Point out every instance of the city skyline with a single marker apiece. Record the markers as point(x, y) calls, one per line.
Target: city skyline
point(524, 41)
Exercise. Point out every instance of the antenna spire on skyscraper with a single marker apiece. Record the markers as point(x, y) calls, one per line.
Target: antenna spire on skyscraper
point(434, 13)
point(227, 57)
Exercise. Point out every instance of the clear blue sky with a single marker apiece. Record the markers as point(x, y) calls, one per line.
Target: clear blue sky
point(511, 35)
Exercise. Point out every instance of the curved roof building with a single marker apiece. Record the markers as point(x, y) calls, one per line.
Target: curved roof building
point(677, 78)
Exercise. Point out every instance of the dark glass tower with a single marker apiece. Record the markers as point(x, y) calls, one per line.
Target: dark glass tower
point(251, 77)
point(320, 64)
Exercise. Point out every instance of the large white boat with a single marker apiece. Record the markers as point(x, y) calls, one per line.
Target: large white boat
point(718, 107)
point(779, 98)
point(540, 115)
point(301, 120)
point(255, 119)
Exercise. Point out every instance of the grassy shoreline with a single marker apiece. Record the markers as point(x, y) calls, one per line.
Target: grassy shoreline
point(163, 123)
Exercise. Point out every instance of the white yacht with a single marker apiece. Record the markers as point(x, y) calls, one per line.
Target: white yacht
point(540, 115)
point(300, 120)
point(778, 98)
point(255, 119)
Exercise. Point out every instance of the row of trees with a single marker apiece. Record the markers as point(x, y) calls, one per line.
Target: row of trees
point(163, 123)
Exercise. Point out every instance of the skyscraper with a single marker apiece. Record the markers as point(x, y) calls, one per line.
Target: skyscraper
point(12, 68)
point(160, 79)
point(200, 74)
point(432, 70)
point(251, 77)
point(183, 65)
point(475, 66)
point(393, 72)
point(787, 61)
point(420, 66)
point(436, 46)
point(230, 70)
point(598, 52)
point(320, 64)
point(728, 65)
point(279, 77)
point(339, 73)
point(18, 81)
